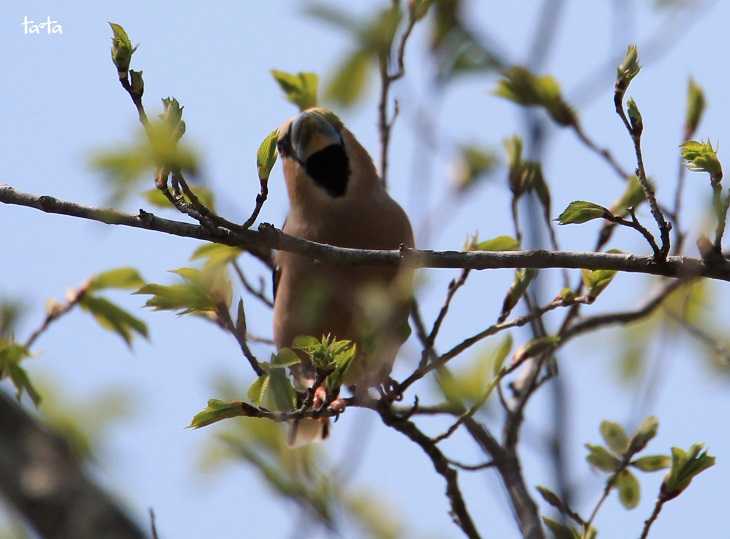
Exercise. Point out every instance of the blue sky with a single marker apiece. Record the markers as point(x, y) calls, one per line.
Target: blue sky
point(61, 101)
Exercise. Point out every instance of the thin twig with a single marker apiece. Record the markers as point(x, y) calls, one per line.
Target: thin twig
point(471, 467)
point(240, 335)
point(654, 514)
point(56, 311)
point(257, 293)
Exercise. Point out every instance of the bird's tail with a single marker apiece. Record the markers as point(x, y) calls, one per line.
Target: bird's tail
point(306, 431)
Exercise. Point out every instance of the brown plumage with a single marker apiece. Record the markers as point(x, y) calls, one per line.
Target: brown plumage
point(336, 197)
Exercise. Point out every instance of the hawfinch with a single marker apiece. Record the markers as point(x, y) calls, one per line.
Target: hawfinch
point(336, 197)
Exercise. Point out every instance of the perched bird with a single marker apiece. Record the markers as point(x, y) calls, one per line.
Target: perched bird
point(336, 197)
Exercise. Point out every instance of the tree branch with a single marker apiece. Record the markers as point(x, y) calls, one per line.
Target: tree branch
point(260, 243)
point(43, 481)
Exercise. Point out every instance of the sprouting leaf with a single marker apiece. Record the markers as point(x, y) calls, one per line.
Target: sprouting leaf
point(124, 278)
point(159, 200)
point(596, 281)
point(472, 164)
point(523, 278)
point(216, 411)
point(628, 489)
point(286, 357)
point(350, 79)
point(216, 254)
point(628, 69)
point(550, 497)
point(646, 431)
point(122, 49)
point(201, 291)
point(280, 395)
point(695, 108)
point(22, 383)
point(500, 243)
point(299, 88)
point(652, 463)
point(614, 436)
point(11, 354)
point(535, 347)
point(113, 317)
point(524, 88)
point(702, 157)
point(632, 197)
point(560, 531)
point(258, 389)
point(685, 467)
point(581, 211)
point(635, 120)
point(266, 155)
point(602, 459)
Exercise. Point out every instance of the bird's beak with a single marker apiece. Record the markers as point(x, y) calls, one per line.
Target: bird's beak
point(308, 133)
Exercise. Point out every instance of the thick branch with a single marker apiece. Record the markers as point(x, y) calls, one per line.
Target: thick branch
point(267, 237)
point(43, 481)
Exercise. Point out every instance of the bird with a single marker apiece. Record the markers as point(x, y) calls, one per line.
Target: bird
point(336, 197)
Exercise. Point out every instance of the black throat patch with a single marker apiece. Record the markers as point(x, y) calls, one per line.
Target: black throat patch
point(330, 169)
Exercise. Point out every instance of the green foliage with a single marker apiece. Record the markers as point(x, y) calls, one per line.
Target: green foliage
point(581, 211)
point(635, 120)
point(628, 69)
point(328, 356)
point(299, 88)
point(702, 157)
point(266, 155)
point(596, 281)
point(696, 105)
point(11, 354)
point(602, 459)
point(629, 492)
point(122, 49)
point(216, 411)
point(523, 278)
point(632, 197)
point(614, 436)
point(159, 200)
point(644, 434)
point(535, 347)
point(652, 463)
point(201, 291)
point(351, 78)
point(561, 531)
point(216, 254)
point(522, 87)
point(473, 163)
point(686, 465)
point(113, 317)
point(119, 278)
point(498, 243)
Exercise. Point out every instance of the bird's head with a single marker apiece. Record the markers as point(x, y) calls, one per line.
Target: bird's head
point(321, 158)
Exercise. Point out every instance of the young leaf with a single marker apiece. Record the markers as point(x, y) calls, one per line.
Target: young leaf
point(596, 281)
point(216, 254)
point(524, 88)
point(600, 457)
point(113, 318)
point(614, 436)
point(500, 243)
point(201, 291)
point(646, 431)
point(117, 278)
point(215, 411)
point(702, 157)
point(535, 347)
point(257, 391)
point(22, 383)
point(560, 531)
point(122, 49)
point(581, 211)
point(299, 88)
point(635, 120)
point(473, 163)
point(695, 108)
point(11, 354)
point(628, 69)
point(652, 463)
point(350, 79)
point(632, 197)
point(501, 353)
point(280, 396)
point(285, 357)
point(523, 278)
point(685, 467)
point(550, 497)
point(266, 155)
point(628, 489)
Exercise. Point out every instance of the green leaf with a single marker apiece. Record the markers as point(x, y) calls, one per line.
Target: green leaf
point(122, 49)
point(614, 436)
point(702, 157)
point(581, 211)
point(500, 243)
point(637, 123)
point(652, 463)
point(125, 278)
point(602, 459)
point(646, 431)
point(201, 291)
point(559, 531)
point(299, 88)
point(285, 357)
point(596, 281)
point(628, 69)
point(216, 254)
point(535, 347)
point(266, 155)
point(22, 383)
point(157, 199)
point(501, 353)
point(523, 278)
point(685, 467)
point(280, 396)
point(113, 318)
point(632, 197)
point(473, 163)
point(350, 80)
point(11, 354)
point(695, 108)
point(628, 489)
point(215, 411)
point(522, 87)
point(550, 497)
point(258, 389)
